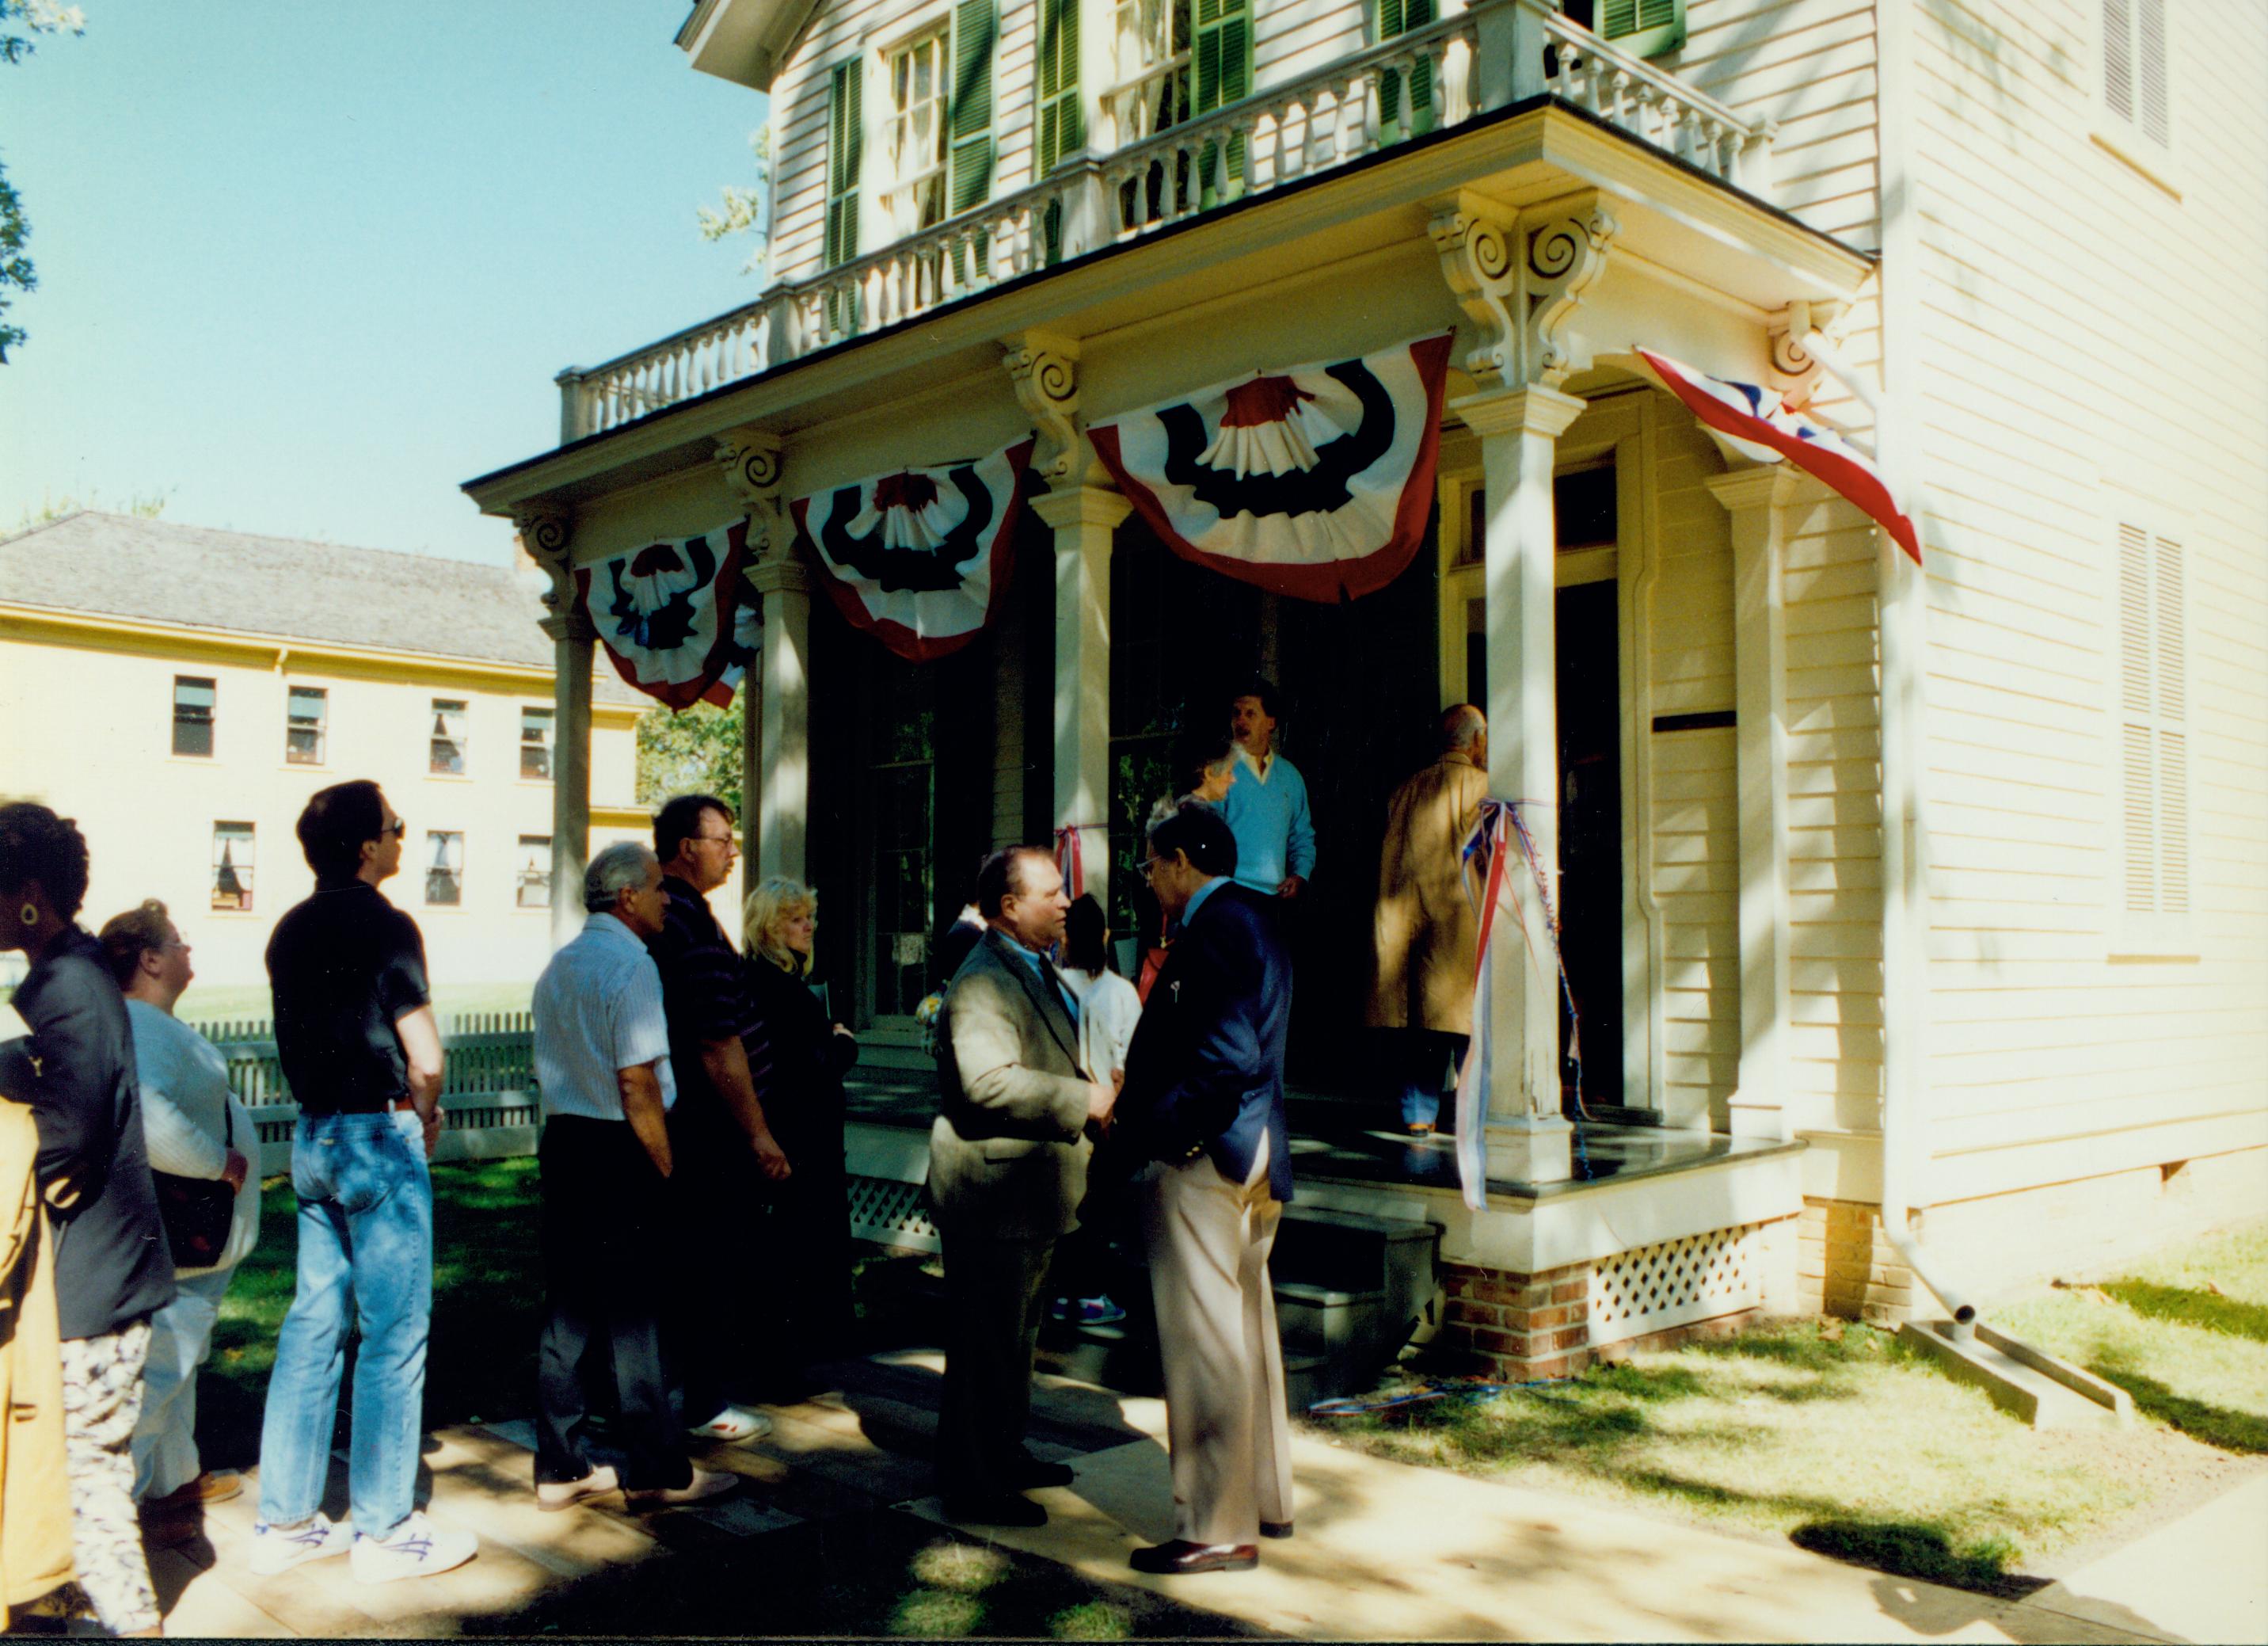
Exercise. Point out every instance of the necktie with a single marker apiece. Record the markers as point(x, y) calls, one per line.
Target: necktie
point(1053, 978)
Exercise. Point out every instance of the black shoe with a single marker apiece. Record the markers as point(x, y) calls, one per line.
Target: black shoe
point(1275, 1527)
point(1024, 1473)
point(995, 1509)
point(1183, 1559)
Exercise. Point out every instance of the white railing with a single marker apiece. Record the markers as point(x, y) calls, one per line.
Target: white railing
point(1492, 54)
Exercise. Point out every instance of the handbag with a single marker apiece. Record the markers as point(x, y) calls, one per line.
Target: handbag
point(197, 1211)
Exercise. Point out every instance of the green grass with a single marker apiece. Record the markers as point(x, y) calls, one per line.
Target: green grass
point(1842, 1439)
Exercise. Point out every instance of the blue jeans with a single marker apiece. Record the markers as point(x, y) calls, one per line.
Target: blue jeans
point(180, 1336)
point(365, 1240)
point(1427, 1057)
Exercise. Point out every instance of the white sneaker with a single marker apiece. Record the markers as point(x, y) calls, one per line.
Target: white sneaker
point(416, 1548)
point(278, 1549)
point(735, 1425)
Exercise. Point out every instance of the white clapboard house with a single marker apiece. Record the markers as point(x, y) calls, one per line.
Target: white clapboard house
point(1915, 913)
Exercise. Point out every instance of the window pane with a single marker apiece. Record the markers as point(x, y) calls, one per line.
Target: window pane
point(532, 877)
point(445, 866)
point(306, 715)
point(536, 744)
point(194, 700)
point(232, 865)
point(448, 738)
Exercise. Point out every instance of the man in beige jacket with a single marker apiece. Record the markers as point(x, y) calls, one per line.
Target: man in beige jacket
point(1426, 926)
point(1007, 1167)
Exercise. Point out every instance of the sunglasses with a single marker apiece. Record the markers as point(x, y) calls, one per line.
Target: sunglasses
point(398, 828)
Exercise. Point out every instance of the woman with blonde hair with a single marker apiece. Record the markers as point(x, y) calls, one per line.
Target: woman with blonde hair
point(797, 1057)
point(196, 1129)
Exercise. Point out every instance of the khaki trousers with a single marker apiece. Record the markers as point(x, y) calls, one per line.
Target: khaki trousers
point(1230, 1441)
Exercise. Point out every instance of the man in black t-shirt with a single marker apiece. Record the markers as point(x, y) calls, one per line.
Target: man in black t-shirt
point(356, 1036)
point(717, 1132)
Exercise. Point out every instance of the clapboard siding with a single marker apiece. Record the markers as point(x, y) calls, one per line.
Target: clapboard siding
point(2057, 282)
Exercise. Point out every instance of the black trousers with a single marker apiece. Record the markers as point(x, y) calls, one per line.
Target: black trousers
point(811, 1219)
point(604, 1242)
point(720, 1262)
point(992, 1292)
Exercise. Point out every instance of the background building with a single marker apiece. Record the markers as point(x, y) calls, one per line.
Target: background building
point(181, 691)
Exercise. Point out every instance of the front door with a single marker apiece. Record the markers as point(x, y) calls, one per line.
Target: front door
point(897, 817)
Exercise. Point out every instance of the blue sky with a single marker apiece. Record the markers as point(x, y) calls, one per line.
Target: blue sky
point(305, 267)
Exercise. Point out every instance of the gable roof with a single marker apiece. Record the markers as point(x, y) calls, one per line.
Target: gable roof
point(124, 567)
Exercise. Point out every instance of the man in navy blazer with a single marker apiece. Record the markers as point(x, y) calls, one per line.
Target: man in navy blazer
point(1203, 1098)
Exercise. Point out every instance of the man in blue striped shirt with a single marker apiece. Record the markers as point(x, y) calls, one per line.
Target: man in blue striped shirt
point(602, 1061)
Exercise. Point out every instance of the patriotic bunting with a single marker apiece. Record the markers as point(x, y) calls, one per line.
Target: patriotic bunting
point(671, 615)
point(1315, 482)
point(920, 559)
point(1747, 413)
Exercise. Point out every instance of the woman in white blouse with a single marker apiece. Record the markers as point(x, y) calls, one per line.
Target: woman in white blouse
point(195, 1128)
point(1107, 1011)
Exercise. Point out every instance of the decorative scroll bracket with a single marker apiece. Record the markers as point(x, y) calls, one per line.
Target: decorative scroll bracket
point(1795, 370)
point(750, 460)
point(1520, 282)
point(1044, 369)
point(547, 534)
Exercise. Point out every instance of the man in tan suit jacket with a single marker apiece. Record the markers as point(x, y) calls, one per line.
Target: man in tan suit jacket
point(1007, 1166)
point(1426, 927)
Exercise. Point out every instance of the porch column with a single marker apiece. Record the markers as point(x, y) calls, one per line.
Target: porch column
point(1756, 499)
point(783, 711)
point(776, 738)
point(1529, 1141)
point(1084, 518)
point(547, 539)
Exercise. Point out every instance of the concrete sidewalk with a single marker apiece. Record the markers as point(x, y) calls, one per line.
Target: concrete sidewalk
point(1385, 1550)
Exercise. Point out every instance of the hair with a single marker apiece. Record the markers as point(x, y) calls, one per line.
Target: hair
point(1195, 754)
point(1197, 830)
point(128, 937)
point(999, 878)
point(1084, 929)
point(1270, 695)
point(37, 844)
point(622, 867)
point(336, 824)
point(776, 900)
point(678, 819)
point(1462, 727)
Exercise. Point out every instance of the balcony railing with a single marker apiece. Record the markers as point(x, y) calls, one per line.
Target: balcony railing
point(1487, 56)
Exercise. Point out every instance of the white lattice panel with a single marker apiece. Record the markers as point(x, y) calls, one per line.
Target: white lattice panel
point(892, 1214)
point(1676, 1283)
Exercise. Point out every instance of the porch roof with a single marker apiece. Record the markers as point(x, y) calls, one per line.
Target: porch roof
point(1752, 256)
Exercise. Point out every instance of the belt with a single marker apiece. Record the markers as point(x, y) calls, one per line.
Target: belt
point(404, 1103)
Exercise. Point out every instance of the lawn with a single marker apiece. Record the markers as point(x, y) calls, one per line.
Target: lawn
point(1840, 1438)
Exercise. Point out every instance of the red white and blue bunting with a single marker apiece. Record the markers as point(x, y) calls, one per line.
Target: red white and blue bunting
point(1749, 414)
point(920, 559)
point(1315, 482)
point(674, 616)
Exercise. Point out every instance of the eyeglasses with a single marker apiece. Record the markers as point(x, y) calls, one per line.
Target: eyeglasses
point(713, 839)
point(1151, 864)
point(398, 828)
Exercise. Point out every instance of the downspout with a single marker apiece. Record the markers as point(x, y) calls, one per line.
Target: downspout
point(1903, 607)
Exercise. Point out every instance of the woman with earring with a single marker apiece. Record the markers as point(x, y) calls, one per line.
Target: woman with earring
point(798, 1060)
point(194, 1128)
point(113, 1270)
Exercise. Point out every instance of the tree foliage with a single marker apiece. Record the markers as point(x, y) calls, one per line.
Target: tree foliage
point(32, 16)
point(690, 751)
point(742, 211)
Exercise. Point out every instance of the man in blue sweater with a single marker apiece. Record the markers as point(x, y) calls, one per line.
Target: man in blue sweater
point(1266, 808)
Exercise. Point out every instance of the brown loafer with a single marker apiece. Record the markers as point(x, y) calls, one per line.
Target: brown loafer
point(211, 1487)
point(1275, 1527)
point(1181, 1558)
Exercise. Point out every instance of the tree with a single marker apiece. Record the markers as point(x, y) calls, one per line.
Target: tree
point(691, 751)
point(742, 211)
point(36, 17)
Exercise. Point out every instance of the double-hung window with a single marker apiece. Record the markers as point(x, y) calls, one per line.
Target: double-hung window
point(916, 143)
point(445, 868)
point(1149, 52)
point(447, 749)
point(532, 873)
point(536, 744)
point(193, 715)
point(307, 718)
point(232, 853)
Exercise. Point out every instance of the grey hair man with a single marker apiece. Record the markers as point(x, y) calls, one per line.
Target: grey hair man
point(602, 1061)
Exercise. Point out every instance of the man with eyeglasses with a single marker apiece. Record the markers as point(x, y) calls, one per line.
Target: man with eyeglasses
point(356, 1036)
point(723, 1145)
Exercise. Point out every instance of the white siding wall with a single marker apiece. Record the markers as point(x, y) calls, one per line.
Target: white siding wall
point(2083, 331)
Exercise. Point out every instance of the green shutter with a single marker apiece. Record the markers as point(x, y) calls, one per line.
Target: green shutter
point(976, 31)
point(1395, 18)
point(845, 139)
point(1223, 53)
point(1644, 28)
point(1062, 116)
